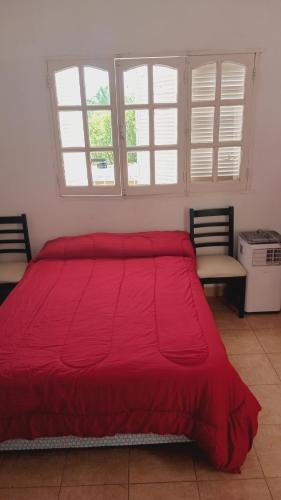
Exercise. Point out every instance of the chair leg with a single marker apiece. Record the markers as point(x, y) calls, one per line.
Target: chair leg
point(5, 289)
point(242, 292)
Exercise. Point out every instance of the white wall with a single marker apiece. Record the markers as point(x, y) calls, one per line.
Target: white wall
point(33, 30)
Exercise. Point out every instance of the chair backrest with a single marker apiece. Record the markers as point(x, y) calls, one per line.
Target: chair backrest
point(225, 237)
point(7, 227)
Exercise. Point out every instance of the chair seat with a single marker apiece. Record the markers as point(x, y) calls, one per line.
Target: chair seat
point(219, 266)
point(12, 272)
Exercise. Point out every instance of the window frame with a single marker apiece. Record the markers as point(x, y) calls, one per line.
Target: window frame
point(184, 63)
point(91, 189)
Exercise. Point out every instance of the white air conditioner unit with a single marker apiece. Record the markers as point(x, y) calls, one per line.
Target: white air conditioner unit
point(260, 254)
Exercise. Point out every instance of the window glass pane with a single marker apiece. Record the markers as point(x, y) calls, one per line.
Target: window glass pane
point(100, 131)
point(166, 126)
point(102, 165)
point(201, 164)
point(68, 87)
point(231, 120)
point(204, 83)
point(229, 163)
point(202, 124)
point(71, 129)
point(165, 84)
point(138, 168)
point(96, 86)
point(137, 127)
point(166, 167)
point(75, 169)
point(136, 85)
point(233, 80)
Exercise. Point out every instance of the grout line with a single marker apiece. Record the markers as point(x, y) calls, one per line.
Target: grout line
point(272, 365)
point(196, 476)
point(168, 482)
point(222, 480)
point(258, 340)
point(129, 460)
point(198, 489)
point(256, 453)
point(249, 354)
point(62, 473)
point(264, 385)
point(271, 496)
point(186, 481)
point(82, 484)
point(263, 348)
point(171, 481)
point(30, 487)
point(249, 479)
point(195, 469)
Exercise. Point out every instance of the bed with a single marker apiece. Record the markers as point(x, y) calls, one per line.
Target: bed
point(110, 335)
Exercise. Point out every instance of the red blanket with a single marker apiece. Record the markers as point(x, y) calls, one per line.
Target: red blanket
point(111, 334)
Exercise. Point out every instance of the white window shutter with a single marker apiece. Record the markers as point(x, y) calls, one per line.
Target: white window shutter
point(202, 164)
point(204, 82)
point(233, 78)
point(221, 93)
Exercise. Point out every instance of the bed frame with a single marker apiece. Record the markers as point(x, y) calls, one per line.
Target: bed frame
point(88, 442)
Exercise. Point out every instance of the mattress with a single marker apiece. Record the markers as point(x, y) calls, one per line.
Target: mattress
point(111, 334)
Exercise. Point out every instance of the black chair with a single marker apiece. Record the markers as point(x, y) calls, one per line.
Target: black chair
point(14, 239)
point(215, 232)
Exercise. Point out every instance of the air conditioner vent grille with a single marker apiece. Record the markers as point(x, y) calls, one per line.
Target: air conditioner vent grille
point(267, 257)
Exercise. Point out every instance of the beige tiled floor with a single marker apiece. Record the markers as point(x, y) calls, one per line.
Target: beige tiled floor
point(172, 472)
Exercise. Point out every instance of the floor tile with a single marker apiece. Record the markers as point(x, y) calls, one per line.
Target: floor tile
point(270, 339)
point(254, 369)
point(48, 493)
point(240, 342)
point(261, 321)
point(269, 397)
point(268, 447)
point(164, 491)
point(274, 485)
point(275, 359)
point(161, 463)
point(32, 468)
point(229, 320)
point(104, 492)
point(250, 469)
point(249, 489)
point(96, 466)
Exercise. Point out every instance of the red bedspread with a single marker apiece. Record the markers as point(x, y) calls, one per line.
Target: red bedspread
point(112, 334)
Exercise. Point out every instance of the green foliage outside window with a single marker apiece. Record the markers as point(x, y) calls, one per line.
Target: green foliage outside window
point(100, 131)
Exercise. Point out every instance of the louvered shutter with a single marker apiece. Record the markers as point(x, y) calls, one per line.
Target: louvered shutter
point(219, 118)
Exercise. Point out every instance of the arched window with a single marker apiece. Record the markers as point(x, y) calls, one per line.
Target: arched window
point(131, 126)
point(84, 101)
point(150, 117)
